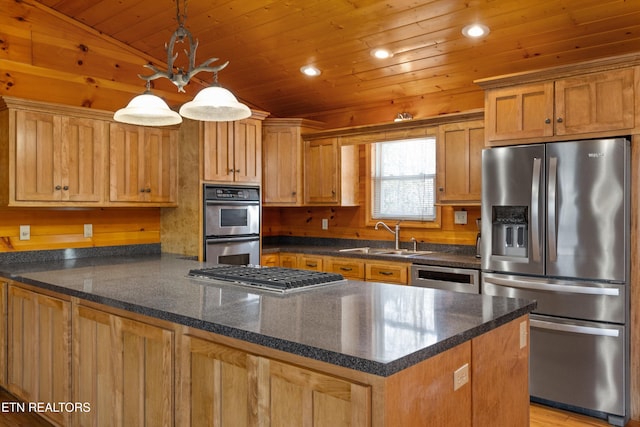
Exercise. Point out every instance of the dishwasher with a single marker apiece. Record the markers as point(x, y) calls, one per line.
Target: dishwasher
point(447, 278)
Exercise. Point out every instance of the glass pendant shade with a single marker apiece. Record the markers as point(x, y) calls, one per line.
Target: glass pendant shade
point(147, 110)
point(215, 104)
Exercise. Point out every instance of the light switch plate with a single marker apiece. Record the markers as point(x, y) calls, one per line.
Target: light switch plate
point(460, 217)
point(523, 334)
point(325, 224)
point(88, 230)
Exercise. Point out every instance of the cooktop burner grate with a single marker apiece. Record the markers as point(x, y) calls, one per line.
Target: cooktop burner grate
point(278, 279)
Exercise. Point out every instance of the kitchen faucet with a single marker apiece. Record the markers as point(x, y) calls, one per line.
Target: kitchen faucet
point(395, 233)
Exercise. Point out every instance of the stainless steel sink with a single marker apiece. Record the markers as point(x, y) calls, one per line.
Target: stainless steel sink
point(385, 251)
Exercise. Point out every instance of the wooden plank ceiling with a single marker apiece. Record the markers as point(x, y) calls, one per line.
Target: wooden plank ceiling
point(267, 41)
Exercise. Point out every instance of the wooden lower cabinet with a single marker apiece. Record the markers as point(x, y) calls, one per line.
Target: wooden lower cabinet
point(222, 386)
point(216, 385)
point(123, 368)
point(270, 260)
point(301, 397)
point(387, 272)
point(39, 349)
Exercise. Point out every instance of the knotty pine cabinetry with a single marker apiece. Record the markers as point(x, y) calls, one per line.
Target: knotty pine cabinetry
point(143, 165)
point(561, 103)
point(59, 156)
point(123, 368)
point(233, 151)
point(282, 160)
point(39, 349)
point(130, 368)
point(331, 172)
point(372, 270)
point(459, 162)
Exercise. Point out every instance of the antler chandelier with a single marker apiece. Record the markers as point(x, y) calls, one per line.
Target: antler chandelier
point(213, 103)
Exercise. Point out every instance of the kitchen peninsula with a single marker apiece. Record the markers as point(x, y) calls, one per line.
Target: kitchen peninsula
point(135, 337)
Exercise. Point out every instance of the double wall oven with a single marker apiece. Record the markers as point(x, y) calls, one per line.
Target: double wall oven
point(231, 224)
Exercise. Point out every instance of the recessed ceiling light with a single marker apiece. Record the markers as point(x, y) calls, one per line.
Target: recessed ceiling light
point(475, 30)
point(381, 53)
point(310, 70)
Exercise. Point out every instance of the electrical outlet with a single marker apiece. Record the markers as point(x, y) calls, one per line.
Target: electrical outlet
point(88, 230)
point(523, 334)
point(461, 376)
point(25, 232)
point(460, 217)
point(325, 224)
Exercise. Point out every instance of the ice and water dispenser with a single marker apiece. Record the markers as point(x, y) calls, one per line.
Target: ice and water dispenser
point(510, 231)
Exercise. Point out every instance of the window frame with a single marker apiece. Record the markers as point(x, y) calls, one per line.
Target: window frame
point(436, 223)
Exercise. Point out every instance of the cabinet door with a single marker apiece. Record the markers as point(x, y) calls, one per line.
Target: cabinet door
point(460, 161)
point(348, 267)
point(519, 112)
point(282, 177)
point(82, 159)
point(39, 349)
point(143, 164)
point(38, 151)
point(160, 165)
point(131, 384)
point(321, 171)
point(300, 397)
point(595, 102)
point(247, 151)
point(126, 150)
point(218, 151)
point(218, 386)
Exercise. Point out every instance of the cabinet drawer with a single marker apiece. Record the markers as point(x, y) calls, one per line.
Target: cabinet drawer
point(349, 268)
point(310, 262)
point(387, 272)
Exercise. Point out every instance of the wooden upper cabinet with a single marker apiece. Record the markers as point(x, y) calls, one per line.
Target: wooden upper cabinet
point(519, 112)
point(282, 161)
point(233, 151)
point(58, 158)
point(582, 104)
point(460, 162)
point(595, 102)
point(330, 172)
point(143, 165)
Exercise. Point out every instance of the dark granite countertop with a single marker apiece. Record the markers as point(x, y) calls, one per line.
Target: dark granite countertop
point(371, 327)
point(437, 257)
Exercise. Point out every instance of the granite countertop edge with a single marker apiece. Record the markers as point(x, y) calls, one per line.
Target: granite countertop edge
point(382, 369)
point(437, 258)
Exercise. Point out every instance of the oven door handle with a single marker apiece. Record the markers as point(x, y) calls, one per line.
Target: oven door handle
point(214, 241)
point(576, 329)
point(232, 203)
point(551, 287)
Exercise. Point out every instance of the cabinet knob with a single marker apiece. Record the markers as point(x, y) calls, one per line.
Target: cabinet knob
point(230, 170)
point(65, 188)
point(559, 120)
point(547, 121)
point(440, 188)
point(58, 187)
point(148, 190)
point(237, 170)
point(142, 190)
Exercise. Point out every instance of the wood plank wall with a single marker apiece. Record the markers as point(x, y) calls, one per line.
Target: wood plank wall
point(64, 228)
point(352, 223)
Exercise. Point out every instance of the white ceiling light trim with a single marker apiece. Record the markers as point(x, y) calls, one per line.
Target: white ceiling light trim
point(475, 31)
point(210, 104)
point(381, 53)
point(310, 70)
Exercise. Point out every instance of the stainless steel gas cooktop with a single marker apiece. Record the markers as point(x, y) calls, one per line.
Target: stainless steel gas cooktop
point(276, 279)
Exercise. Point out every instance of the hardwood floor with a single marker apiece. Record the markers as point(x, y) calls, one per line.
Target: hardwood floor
point(541, 416)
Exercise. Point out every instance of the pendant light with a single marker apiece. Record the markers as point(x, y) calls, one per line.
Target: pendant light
point(147, 109)
point(211, 104)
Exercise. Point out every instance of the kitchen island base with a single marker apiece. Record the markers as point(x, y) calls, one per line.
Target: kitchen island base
point(134, 370)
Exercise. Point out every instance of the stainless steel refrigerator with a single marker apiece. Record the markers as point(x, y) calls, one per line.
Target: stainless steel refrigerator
point(555, 228)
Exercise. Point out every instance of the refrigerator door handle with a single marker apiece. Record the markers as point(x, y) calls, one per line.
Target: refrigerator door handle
point(553, 209)
point(535, 209)
point(552, 287)
point(586, 330)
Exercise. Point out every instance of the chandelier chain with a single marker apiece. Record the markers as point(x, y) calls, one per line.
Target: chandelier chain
point(181, 18)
